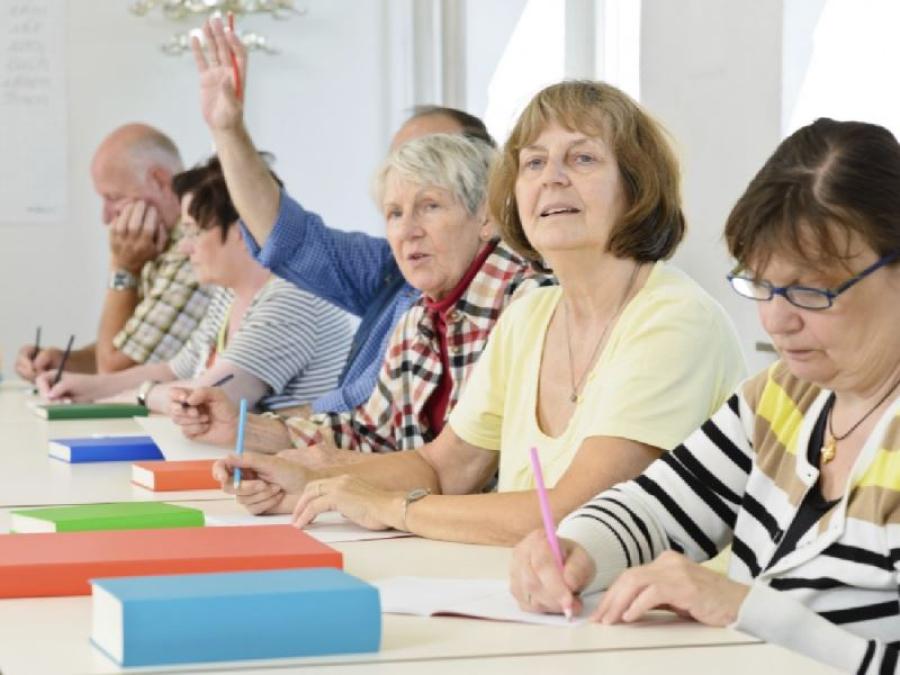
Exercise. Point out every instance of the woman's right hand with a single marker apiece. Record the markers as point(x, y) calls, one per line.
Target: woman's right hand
point(222, 109)
point(205, 414)
point(535, 579)
point(269, 484)
point(29, 365)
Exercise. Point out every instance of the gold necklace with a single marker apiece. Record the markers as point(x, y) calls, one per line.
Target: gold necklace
point(574, 396)
point(829, 450)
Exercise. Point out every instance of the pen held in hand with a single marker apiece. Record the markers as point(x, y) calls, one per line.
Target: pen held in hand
point(62, 363)
point(218, 383)
point(37, 344)
point(547, 517)
point(239, 442)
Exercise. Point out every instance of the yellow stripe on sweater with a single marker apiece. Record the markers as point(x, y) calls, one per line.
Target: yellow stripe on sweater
point(782, 414)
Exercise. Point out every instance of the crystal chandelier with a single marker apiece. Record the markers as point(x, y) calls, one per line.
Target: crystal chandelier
point(179, 10)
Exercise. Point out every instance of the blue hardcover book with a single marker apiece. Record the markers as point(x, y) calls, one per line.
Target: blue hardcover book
point(104, 449)
point(231, 616)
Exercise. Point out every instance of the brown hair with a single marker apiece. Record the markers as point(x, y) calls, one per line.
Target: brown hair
point(824, 183)
point(653, 224)
point(211, 204)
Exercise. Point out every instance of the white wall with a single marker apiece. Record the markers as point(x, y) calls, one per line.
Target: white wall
point(711, 73)
point(319, 105)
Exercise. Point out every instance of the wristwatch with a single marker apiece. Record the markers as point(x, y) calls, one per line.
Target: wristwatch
point(412, 496)
point(144, 391)
point(122, 280)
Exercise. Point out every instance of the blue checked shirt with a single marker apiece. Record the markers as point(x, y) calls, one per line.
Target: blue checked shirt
point(352, 270)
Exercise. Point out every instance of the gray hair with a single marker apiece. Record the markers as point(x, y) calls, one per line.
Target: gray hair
point(154, 148)
point(457, 163)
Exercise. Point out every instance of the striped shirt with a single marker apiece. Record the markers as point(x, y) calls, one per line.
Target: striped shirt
point(740, 480)
point(170, 306)
point(394, 417)
point(288, 339)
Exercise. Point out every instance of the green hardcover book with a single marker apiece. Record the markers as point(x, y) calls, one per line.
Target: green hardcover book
point(121, 516)
point(89, 411)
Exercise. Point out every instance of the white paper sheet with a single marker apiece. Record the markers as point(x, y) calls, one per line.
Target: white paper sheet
point(329, 528)
point(478, 598)
point(173, 444)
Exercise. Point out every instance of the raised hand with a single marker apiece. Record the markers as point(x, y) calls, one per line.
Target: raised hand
point(221, 107)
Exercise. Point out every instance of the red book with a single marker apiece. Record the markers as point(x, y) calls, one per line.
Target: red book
point(61, 563)
point(194, 474)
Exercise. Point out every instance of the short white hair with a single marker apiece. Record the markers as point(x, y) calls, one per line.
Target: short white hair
point(457, 163)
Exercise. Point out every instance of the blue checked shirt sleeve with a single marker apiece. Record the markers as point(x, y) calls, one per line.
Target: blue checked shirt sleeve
point(344, 268)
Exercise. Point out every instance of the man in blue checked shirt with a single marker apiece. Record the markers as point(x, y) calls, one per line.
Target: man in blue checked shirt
point(353, 270)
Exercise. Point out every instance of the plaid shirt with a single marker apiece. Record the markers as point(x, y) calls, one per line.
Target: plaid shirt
point(170, 307)
point(393, 418)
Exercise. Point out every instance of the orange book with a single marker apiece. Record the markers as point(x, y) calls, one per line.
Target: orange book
point(194, 474)
point(61, 563)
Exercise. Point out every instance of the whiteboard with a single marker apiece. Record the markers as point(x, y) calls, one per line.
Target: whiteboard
point(33, 136)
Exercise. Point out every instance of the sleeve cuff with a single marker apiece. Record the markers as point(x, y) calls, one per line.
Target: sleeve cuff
point(776, 617)
point(287, 235)
point(602, 547)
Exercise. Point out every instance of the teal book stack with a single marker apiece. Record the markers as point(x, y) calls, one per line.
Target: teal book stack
point(231, 616)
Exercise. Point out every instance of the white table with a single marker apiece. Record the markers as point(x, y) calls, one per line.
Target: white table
point(50, 635)
point(29, 477)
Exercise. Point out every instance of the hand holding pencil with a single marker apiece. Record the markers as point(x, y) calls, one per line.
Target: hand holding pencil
point(221, 61)
point(546, 572)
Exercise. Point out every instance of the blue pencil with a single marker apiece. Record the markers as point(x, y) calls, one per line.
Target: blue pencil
point(239, 441)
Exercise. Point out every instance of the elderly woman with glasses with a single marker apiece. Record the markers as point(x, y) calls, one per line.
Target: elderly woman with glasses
point(263, 339)
point(800, 470)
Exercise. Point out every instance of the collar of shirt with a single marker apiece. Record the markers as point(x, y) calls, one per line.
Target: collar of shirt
point(438, 311)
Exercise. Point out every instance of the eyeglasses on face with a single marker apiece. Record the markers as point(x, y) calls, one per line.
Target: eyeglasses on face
point(804, 297)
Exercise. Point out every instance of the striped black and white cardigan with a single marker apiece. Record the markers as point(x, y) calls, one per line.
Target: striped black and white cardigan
point(739, 480)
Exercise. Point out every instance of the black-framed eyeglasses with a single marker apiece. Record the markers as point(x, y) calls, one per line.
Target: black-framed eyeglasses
point(801, 296)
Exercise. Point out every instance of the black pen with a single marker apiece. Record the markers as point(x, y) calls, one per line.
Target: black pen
point(37, 344)
point(217, 383)
point(62, 364)
point(34, 354)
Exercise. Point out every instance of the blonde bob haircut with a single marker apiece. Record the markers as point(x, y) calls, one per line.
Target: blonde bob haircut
point(457, 163)
point(653, 224)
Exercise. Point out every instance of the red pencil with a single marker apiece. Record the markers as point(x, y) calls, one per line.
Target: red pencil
point(234, 63)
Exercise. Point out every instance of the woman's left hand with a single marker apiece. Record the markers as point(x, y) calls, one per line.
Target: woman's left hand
point(365, 505)
point(675, 583)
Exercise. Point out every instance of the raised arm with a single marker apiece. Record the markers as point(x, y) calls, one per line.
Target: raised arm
point(253, 191)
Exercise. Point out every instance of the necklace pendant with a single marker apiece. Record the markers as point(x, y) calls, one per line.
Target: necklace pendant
point(829, 450)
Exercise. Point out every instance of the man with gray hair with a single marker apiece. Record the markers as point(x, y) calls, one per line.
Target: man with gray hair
point(153, 302)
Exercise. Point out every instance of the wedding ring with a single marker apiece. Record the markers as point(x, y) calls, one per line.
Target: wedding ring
point(320, 491)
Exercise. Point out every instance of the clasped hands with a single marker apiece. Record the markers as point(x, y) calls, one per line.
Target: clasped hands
point(277, 484)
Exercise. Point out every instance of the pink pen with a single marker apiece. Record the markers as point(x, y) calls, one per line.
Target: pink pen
point(547, 516)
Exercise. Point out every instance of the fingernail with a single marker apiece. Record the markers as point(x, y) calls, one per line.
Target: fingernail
point(568, 613)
